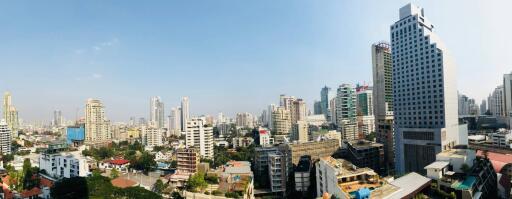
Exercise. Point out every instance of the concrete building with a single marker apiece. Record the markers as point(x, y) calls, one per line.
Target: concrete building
point(501, 138)
point(63, 165)
point(298, 111)
point(261, 156)
point(314, 149)
point(300, 131)
point(496, 103)
point(459, 171)
point(10, 115)
point(507, 94)
point(200, 136)
point(270, 111)
point(244, 120)
point(282, 124)
point(185, 113)
point(188, 160)
point(58, 120)
point(5, 138)
point(483, 107)
point(425, 93)
point(265, 138)
point(174, 123)
point(317, 108)
point(277, 172)
point(324, 102)
point(333, 118)
point(302, 174)
point(75, 134)
point(241, 141)
point(364, 153)
point(96, 125)
point(152, 137)
point(383, 99)
point(346, 111)
point(156, 112)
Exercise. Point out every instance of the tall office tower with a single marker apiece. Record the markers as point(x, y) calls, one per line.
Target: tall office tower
point(282, 124)
point(10, 114)
point(463, 103)
point(185, 114)
point(200, 136)
point(264, 118)
point(57, 118)
point(156, 112)
point(483, 107)
point(507, 94)
point(383, 101)
point(364, 110)
point(496, 104)
point(244, 120)
point(346, 111)
point(96, 125)
point(271, 108)
point(175, 121)
point(324, 101)
point(317, 107)
point(5, 138)
point(425, 93)
point(298, 111)
point(221, 118)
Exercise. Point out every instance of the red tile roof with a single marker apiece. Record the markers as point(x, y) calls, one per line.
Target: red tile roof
point(46, 182)
point(33, 192)
point(498, 160)
point(123, 182)
point(118, 161)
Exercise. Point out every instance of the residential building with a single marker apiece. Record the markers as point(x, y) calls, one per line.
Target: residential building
point(507, 94)
point(152, 136)
point(501, 138)
point(174, 124)
point(121, 165)
point(282, 124)
point(185, 113)
point(265, 138)
point(5, 138)
point(10, 114)
point(298, 111)
point(241, 141)
point(277, 172)
point(187, 160)
point(261, 156)
point(300, 131)
point(458, 170)
point(156, 112)
point(244, 120)
point(483, 107)
point(496, 103)
point(236, 176)
point(302, 174)
point(270, 112)
point(332, 109)
point(363, 153)
point(96, 124)
point(63, 165)
point(200, 136)
point(425, 93)
point(346, 111)
point(324, 102)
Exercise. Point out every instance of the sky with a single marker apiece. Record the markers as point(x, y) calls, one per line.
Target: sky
point(227, 56)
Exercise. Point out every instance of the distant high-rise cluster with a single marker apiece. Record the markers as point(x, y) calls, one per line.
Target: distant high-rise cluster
point(156, 112)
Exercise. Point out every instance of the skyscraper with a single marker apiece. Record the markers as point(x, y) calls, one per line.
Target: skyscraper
point(346, 111)
point(364, 110)
point(324, 101)
point(282, 124)
point(175, 121)
point(5, 138)
point(383, 100)
point(156, 112)
point(483, 107)
point(270, 110)
point(96, 125)
point(507, 94)
point(185, 114)
point(10, 114)
point(200, 136)
point(425, 93)
point(496, 104)
point(57, 118)
point(298, 111)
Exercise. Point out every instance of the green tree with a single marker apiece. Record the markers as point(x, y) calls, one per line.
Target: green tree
point(29, 180)
point(159, 186)
point(196, 182)
point(146, 162)
point(70, 188)
point(114, 173)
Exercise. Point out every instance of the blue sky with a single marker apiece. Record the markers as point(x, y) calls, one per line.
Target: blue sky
point(227, 56)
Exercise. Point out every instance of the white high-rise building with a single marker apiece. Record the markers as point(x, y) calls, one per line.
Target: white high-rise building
point(96, 125)
point(5, 138)
point(156, 112)
point(174, 124)
point(271, 109)
point(152, 136)
point(496, 103)
point(200, 136)
point(10, 114)
point(185, 113)
point(507, 94)
point(425, 93)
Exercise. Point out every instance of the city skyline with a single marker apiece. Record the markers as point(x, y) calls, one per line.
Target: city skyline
point(73, 59)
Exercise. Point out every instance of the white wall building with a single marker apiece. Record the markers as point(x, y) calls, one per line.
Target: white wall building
point(5, 138)
point(200, 136)
point(63, 165)
point(185, 114)
point(425, 93)
point(507, 94)
point(152, 136)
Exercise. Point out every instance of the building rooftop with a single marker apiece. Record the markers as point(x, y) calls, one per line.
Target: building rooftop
point(346, 168)
point(408, 184)
point(437, 165)
point(360, 144)
point(455, 153)
point(237, 167)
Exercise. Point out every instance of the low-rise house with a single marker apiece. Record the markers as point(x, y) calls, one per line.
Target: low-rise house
point(119, 164)
point(237, 176)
